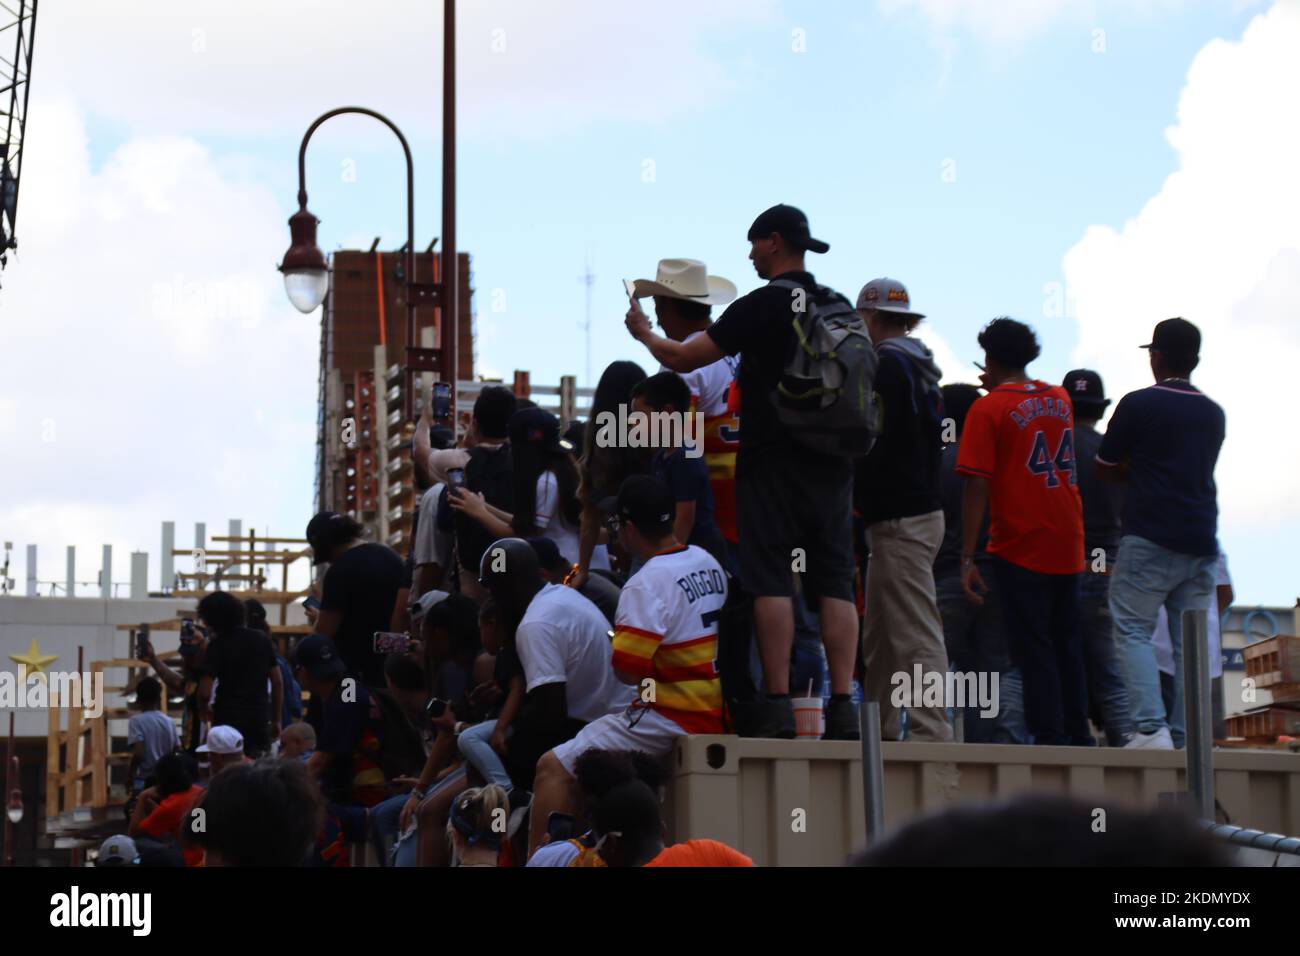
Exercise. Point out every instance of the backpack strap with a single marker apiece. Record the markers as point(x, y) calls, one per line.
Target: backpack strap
point(801, 335)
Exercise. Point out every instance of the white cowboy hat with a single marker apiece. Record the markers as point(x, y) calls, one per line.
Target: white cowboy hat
point(686, 279)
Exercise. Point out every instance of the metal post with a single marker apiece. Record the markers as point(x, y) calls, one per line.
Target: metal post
point(1196, 697)
point(873, 769)
point(31, 570)
point(236, 530)
point(106, 573)
point(71, 586)
point(449, 300)
point(13, 781)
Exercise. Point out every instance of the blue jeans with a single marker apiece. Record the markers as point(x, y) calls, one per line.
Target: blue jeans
point(385, 822)
point(475, 745)
point(975, 642)
point(1147, 576)
point(1107, 692)
point(1040, 617)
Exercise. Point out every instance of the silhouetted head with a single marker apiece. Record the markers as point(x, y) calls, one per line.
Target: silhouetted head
point(511, 575)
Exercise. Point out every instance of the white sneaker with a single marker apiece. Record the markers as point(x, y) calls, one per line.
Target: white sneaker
point(1160, 740)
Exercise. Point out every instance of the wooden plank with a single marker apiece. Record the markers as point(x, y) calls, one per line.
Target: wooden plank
point(52, 764)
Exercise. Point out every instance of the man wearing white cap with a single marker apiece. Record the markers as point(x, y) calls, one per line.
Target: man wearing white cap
point(897, 492)
point(118, 850)
point(684, 294)
point(224, 747)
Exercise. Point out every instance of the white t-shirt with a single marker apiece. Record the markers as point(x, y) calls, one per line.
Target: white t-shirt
point(553, 525)
point(1165, 649)
point(432, 545)
point(563, 638)
point(562, 853)
point(710, 383)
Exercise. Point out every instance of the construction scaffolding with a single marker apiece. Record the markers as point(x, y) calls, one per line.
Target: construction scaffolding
point(86, 792)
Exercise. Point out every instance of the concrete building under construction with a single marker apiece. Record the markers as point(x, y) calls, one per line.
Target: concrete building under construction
point(363, 468)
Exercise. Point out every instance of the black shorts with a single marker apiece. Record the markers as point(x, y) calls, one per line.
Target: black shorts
point(788, 503)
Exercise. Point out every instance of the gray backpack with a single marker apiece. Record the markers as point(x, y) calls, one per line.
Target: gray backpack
point(826, 395)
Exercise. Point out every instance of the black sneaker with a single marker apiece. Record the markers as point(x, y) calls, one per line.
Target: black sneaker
point(764, 718)
point(841, 721)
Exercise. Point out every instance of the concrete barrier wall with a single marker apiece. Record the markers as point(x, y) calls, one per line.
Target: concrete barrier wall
point(799, 803)
point(61, 626)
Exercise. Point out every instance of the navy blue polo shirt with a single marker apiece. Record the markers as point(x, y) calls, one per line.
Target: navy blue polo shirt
point(1171, 434)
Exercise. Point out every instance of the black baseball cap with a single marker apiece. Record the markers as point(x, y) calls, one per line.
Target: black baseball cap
point(790, 224)
point(1176, 337)
point(316, 655)
point(537, 426)
point(548, 552)
point(645, 501)
point(1085, 388)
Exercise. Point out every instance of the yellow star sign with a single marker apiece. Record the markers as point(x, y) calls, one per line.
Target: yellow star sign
point(34, 660)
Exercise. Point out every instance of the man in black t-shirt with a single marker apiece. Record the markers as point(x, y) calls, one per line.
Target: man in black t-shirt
point(240, 660)
point(794, 507)
point(1102, 503)
point(349, 726)
point(357, 592)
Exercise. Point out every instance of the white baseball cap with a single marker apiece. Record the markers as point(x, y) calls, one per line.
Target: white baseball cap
point(425, 602)
point(887, 295)
point(222, 740)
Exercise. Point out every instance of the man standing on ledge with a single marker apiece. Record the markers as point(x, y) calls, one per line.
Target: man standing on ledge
point(793, 505)
point(1164, 441)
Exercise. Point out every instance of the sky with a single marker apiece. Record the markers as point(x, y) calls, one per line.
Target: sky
point(1089, 167)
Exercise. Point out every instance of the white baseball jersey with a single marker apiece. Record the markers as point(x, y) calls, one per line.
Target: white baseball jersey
point(666, 629)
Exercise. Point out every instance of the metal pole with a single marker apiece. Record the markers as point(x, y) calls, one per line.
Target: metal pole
point(1196, 697)
point(10, 784)
point(449, 300)
point(873, 769)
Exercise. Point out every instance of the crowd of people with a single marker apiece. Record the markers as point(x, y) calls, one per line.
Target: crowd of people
point(570, 603)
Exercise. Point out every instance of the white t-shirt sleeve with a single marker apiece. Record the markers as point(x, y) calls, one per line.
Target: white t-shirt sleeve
point(548, 499)
point(540, 653)
point(641, 609)
point(426, 535)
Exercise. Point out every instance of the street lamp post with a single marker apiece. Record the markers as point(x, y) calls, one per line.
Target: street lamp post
point(306, 272)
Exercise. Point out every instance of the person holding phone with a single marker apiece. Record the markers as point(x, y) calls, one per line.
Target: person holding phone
point(485, 461)
point(684, 295)
point(186, 681)
point(545, 489)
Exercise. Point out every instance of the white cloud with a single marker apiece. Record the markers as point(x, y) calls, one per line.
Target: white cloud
point(152, 367)
point(248, 66)
point(1220, 245)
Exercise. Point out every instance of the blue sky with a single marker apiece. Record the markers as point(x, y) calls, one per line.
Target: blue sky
point(962, 146)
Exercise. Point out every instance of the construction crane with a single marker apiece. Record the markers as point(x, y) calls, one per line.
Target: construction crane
point(19, 26)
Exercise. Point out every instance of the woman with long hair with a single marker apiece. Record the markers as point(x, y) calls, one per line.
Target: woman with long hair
point(603, 468)
point(545, 488)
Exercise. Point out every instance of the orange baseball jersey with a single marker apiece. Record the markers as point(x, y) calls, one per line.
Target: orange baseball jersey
point(666, 628)
point(1020, 436)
